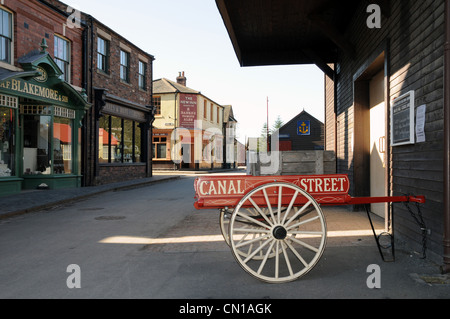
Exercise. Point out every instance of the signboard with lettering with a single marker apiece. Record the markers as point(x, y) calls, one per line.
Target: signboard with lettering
point(402, 120)
point(188, 110)
point(34, 91)
point(125, 112)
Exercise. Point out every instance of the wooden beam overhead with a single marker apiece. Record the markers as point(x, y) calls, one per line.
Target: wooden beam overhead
point(321, 64)
point(333, 34)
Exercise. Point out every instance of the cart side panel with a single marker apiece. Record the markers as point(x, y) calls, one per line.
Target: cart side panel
point(227, 191)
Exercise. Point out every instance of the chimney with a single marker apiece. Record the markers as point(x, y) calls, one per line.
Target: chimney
point(181, 79)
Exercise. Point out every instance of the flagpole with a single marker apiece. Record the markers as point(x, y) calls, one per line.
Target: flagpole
point(267, 123)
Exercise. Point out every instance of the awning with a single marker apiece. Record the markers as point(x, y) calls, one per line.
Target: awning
point(283, 32)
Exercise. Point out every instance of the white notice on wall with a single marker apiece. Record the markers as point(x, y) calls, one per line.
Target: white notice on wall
point(420, 124)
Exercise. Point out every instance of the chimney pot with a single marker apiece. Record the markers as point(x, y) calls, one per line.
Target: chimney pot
point(181, 79)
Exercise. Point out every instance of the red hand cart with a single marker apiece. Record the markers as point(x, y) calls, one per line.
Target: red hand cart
point(275, 225)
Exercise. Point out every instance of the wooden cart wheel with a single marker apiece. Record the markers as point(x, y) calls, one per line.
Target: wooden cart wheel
point(225, 217)
point(224, 224)
point(280, 242)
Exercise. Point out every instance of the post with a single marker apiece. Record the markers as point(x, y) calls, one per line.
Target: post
point(446, 266)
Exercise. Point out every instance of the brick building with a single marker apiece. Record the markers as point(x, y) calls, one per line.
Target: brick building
point(119, 125)
point(117, 129)
point(41, 97)
point(387, 67)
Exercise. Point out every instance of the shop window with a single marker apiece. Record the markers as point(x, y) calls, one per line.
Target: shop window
point(7, 155)
point(142, 76)
point(124, 66)
point(62, 57)
point(102, 55)
point(47, 140)
point(5, 36)
point(119, 140)
point(160, 147)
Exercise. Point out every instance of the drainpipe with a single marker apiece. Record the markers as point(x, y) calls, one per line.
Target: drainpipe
point(446, 266)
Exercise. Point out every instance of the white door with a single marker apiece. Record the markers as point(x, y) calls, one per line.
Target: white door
point(378, 142)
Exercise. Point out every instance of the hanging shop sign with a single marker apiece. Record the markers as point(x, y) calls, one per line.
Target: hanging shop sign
point(188, 110)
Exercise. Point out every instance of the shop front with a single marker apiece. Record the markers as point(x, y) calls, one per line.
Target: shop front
point(40, 127)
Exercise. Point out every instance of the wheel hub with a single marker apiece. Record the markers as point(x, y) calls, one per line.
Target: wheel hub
point(280, 233)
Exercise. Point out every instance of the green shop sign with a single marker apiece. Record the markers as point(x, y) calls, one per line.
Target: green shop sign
point(31, 90)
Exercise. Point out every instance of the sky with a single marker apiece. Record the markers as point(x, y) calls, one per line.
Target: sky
point(190, 36)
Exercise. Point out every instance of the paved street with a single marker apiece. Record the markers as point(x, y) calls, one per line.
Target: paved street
point(150, 242)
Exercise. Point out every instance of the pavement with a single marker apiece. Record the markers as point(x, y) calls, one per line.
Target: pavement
point(36, 200)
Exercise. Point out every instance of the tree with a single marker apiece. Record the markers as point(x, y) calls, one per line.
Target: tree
point(277, 125)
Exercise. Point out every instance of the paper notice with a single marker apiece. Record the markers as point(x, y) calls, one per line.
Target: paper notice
point(420, 124)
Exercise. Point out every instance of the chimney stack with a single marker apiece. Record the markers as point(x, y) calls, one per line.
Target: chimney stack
point(181, 79)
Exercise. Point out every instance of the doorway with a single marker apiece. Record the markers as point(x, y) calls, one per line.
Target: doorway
point(371, 142)
point(378, 140)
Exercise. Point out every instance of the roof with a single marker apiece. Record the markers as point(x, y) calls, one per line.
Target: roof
point(162, 86)
point(283, 32)
point(301, 114)
point(228, 114)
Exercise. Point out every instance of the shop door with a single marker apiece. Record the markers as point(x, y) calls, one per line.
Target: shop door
point(378, 142)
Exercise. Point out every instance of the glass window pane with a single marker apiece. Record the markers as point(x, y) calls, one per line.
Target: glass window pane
point(37, 141)
point(161, 150)
point(116, 136)
point(6, 24)
point(104, 140)
point(137, 143)
point(62, 146)
point(128, 141)
point(7, 158)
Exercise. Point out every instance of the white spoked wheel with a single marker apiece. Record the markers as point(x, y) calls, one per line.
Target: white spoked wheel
point(224, 224)
point(277, 240)
point(225, 217)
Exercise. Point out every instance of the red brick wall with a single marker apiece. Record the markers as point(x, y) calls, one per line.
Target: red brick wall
point(119, 173)
point(34, 21)
point(129, 91)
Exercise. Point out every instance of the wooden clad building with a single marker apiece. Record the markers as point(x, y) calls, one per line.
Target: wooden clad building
point(302, 133)
point(387, 94)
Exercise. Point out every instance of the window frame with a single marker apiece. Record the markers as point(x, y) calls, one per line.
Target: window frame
point(157, 104)
point(104, 55)
point(156, 141)
point(135, 126)
point(142, 77)
point(125, 68)
point(66, 63)
point(10, 38)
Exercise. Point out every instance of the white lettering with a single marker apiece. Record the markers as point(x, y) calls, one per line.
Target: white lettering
point(74, 280)
point(201, 189)
point(190, 309)
point(374, 280)
point(374, 20)
point(222, 187)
